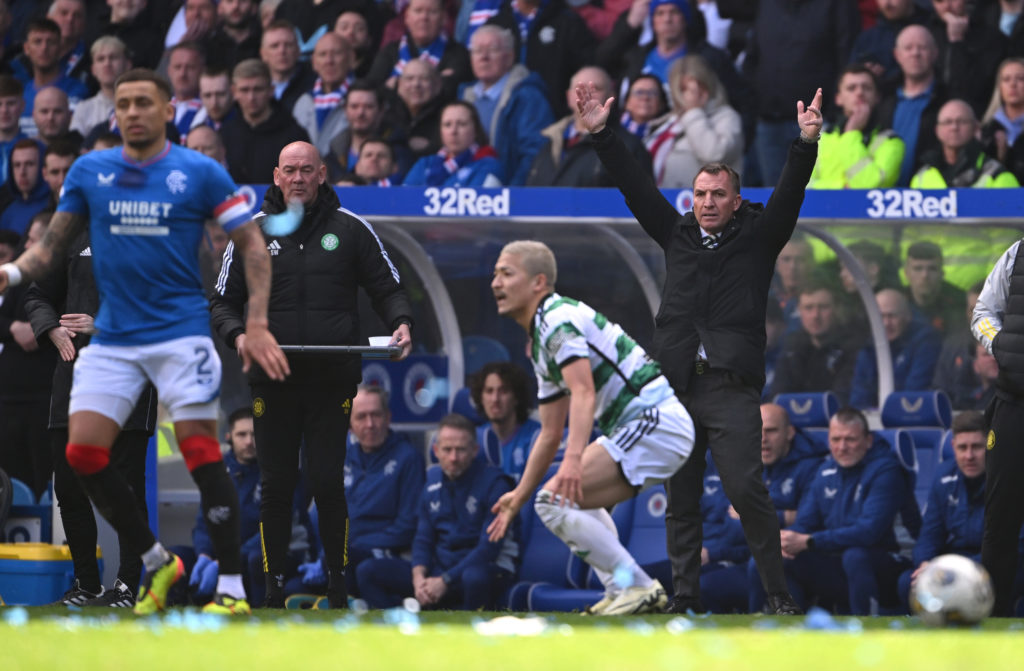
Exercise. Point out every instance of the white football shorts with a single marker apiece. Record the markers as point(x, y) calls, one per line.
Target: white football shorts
point(652, 446)
point(185, 371)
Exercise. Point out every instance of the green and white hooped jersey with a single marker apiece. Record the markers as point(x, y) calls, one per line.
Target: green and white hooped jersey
point(626, 379)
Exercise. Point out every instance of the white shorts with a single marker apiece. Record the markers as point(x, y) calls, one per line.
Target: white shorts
point(654, 445)
point(185, 371)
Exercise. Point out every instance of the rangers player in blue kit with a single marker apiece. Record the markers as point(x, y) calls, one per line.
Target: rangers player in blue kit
point(146, 204)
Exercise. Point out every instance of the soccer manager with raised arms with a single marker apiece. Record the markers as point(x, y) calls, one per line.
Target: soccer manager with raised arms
point(709, 332)
point(317, 271)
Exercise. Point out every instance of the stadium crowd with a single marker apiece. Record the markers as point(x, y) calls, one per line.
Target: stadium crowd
point(917, 93)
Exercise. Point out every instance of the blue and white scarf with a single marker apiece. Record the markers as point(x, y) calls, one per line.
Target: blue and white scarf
point(327, 102)
point(482, 11)
point(440, 170)
point(432, 52)
point(633, 126)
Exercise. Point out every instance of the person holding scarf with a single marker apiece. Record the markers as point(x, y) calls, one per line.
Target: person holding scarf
point(424, 38)
point(465, 158)
point(332, 63)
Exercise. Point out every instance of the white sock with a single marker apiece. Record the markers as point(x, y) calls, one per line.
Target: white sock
point(155, 557)
point(231, 585)
point(607, 579)
point(588, 536)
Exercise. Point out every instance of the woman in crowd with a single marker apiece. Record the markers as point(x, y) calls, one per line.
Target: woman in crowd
point(1002, 130)
point(701, 128)
point(419, 87)
point(645, 102)
point(465, 158)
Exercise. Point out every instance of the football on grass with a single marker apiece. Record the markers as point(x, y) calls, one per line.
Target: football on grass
point(952, 590)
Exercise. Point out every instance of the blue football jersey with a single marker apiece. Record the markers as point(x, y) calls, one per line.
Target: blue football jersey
point(146, 224)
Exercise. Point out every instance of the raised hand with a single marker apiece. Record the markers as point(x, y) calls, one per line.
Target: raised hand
point(809, 118)
point(591, 113)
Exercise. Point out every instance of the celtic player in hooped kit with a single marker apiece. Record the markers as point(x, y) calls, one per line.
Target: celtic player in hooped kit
point(588, 368)
point(146, 205)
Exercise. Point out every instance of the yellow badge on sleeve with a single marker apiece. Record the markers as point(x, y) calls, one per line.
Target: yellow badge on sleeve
point(991, 442)
point(258, 407)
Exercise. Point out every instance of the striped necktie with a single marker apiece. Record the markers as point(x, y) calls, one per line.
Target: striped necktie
point(710, 241)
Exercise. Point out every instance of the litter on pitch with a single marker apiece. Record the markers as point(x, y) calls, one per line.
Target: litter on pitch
point(510, 625)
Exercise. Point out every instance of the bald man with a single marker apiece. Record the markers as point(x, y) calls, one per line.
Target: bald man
point(567, 157)
point(914, 347)
point(207, 141)
point(336, 252)
point(51, 114)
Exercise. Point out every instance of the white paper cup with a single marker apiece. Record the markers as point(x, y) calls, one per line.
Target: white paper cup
point(379, 341)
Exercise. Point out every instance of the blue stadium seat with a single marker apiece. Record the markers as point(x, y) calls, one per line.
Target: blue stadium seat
point(478, 350)
point(926, 416)
point(462, 403)
point(27, 517)
point(809, 409)
point(946, 451)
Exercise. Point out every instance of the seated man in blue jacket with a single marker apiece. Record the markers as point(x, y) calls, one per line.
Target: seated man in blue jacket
point(384, 477)
point(954, 517)
point(201, 560)
point(914, 347)
point(501, 390)
point(841, 551)
point(454, 565)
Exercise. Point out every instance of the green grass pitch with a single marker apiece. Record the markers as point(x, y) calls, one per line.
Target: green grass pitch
point(54, 639)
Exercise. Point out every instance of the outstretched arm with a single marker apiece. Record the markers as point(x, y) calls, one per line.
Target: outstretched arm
point(809, 118)
point(260, 344)
point(38, 261)
point(591, 112)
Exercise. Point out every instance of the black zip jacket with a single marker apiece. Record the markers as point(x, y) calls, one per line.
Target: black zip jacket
point(717, 297)
point(317, 272)
point(71, 289)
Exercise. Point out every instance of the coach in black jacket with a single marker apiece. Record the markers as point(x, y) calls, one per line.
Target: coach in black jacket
point(61, 307)
point(710, 336)
point(317, 271)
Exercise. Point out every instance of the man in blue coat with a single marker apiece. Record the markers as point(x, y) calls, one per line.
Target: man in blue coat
point(841, 551)
point(915, 349)
point(510, 99)
point(384, 477)
point(955, 515)
point(454, 565)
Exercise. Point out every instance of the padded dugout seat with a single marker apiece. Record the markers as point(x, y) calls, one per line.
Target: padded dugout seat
point(926, 416)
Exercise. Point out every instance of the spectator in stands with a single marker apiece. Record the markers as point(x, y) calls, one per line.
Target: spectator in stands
point(384, 478)
point(959, 161)
point(26, 190)
point(57, 160)
point(826, 31)
point(268, 8)
point(955, 371)
point(419, 90)
point(511, 101)
point(936, 300)
point(26, 368)
point(193, 21)
point(353, 28)
point(106, 140)
point(130, 23)
point(882, 273)
point(792, 267)
point(366, 119)
point(874, 46)
point(912, 109)
point(254, 139)
point(109, 61)
point(40, 68)
point(215, 95)
point(332, 63)
point(454, 565)
point(551, 40)
point(600, 17)
point(724, 553)
point(314, 18)
point(279, 49)
point(841, 549)
point(702, 128)
point(52, 117)
point(645, 102)
point(465, 158)
point(954, 514)
point(207, 141)
point(1002, 130)
point(236, 36)
point(69, 15)
point(969, 52)
point(12, 102)
point(375, 167)
point(821, 355)
point(500, 390)
point(913, 346)
point(775, 331)
point(423, 38)
point(855, 152)
point(567, 158)
point(185, 63)
point(1005, 15)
